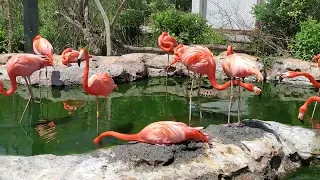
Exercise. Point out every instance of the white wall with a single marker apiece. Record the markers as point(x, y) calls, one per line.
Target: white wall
point(228, 14)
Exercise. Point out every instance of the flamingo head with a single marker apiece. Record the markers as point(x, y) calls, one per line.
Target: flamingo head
point(83, 55)
point(288, 74)
point(257, 91)
point(302, 111)
point(36, 37)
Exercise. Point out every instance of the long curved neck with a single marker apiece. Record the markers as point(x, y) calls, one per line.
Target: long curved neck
point(312, 99)
point(229, 50)
point(309, 76)
point(125, 137)
point(212, 78)
point(85, 76)
point(12, 89)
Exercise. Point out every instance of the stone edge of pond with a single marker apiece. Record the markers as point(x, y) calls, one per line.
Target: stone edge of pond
point(135, 66)
point(259, 150)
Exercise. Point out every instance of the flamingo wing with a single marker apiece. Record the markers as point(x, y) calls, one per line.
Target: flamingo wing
point(101, 84)
point(25, 64)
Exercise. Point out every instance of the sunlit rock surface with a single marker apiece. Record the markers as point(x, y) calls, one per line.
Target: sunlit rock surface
point(259, 150)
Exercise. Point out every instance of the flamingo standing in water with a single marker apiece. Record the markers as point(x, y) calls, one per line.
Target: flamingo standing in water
point(167, 44)
point(69, 56)
point(236, 66)
point(160, 133)
point(23, 65)
point(304, 107)
point(292, 74)
point(41, 46)
point(200, 60)
point(315, 58)
point(100, 84)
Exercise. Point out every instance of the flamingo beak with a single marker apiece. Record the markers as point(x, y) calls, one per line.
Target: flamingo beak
point(79, 62)
point(260, 95)
point(301, 120)
point(300, 117)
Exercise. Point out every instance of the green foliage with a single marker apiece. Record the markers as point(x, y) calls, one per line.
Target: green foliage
point(3, 43)
point(281, 20)
point(187, 28)
point(307, 41)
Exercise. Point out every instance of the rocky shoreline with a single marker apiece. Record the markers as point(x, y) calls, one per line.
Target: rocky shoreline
point(131, 67)
point(259, 150)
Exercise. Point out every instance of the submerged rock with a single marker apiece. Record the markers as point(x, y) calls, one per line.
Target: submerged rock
point(259, 150)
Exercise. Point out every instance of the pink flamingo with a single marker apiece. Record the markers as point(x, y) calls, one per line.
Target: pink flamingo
point(167, 44)
point(160, 133)
point(69, 56)
point(316, 58)
point(236, 66)
point(41, 46)
point(200, 60)
point(23, 65)
point(100, 84)
point(304, 107)
point(292, 74)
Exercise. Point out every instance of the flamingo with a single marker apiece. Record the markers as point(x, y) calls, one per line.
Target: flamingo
point(315, 58)
point(167, 44)
point(41, 46)
point(292, 74)
point(236, 66)
point(99, 84)
point(200, 60)
point(160, 133)
point(23, 65)
point(304, 107)
point(72, 105)
point(69, 56)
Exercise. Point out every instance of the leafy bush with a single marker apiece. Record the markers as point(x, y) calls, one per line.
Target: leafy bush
point(187, 28)
point(307, 41)
point(282, 19)
point(3, 43)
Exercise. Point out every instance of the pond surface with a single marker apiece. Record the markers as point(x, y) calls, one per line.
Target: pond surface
point(57, 127)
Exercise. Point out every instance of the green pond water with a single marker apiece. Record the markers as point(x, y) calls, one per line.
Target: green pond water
point(54, 130)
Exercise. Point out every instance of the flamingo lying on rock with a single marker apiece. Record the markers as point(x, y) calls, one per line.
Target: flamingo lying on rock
point(160, 133)
point(70, 56)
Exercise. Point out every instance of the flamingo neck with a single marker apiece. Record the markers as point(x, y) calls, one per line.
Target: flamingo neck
point(12, 89)
point(85, 76)
point(309, 76)
point(229, 50)
point(312, 99)
point(125, 137)
point(212, 78)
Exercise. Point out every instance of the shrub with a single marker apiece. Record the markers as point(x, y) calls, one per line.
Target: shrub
point(282, 18)
point(307, 41)
point(187, 28)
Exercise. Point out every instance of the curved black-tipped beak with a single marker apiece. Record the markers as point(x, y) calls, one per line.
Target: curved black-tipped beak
point(301, 120)
point(260, 95)
point(280, 79)
point(79, 61)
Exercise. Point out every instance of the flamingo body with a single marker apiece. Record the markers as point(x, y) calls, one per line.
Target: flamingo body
point(69, 56)
point(100, 84)
point(42, 46)
point(166, 42)
point(161, 132)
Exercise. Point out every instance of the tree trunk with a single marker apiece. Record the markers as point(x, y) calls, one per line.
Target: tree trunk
point(30, 23)
point(10, 27)
point(106, 24)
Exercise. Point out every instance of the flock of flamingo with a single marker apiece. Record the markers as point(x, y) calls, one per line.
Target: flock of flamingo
point(198, 59)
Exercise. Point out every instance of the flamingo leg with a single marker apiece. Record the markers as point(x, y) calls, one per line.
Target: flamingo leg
point(167, 84)
point(315, 105)
point(30, 99)
point(230, 102)
point(190, 99)
point(239, 104)
point(199, 86)
point(108, 111)
point(97, 101)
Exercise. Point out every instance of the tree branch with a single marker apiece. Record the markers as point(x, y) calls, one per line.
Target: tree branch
point(69, 20)
point(118, 13)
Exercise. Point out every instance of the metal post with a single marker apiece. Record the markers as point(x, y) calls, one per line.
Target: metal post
point(30, 23)
point(203, 8)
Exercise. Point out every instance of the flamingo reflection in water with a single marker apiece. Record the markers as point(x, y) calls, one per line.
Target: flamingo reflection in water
point(73, 105)
point(46, 130)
